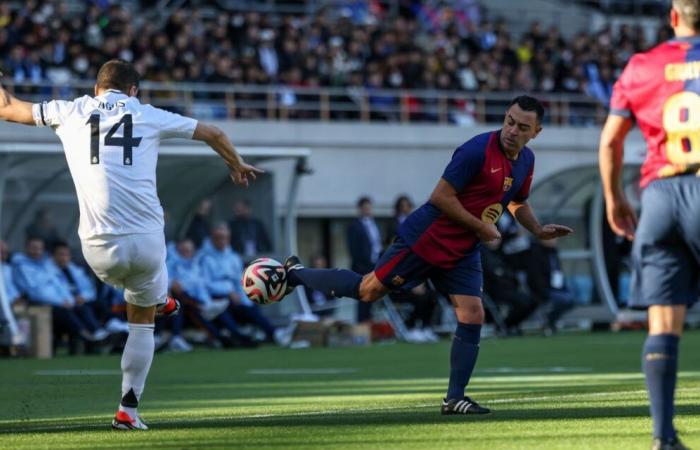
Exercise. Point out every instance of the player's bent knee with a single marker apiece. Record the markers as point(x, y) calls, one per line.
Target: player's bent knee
point(469, 309)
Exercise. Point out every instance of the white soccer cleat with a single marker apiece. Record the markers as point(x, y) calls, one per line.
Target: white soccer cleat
point(179, 344)
point(124, 422)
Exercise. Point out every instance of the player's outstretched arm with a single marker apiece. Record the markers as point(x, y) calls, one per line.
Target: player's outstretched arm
point(14, 110)
point(217, 140)
point(444, 198)
point(524, 214)
point(621, 215)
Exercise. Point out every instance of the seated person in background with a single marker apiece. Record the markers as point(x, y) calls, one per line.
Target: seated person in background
point(249, 235)
point(223, 270)
point(561, 297)
point(502, 286)
point(81, 287)
point(424, 301)
point(38, 281)
point(189, 285)
point(321, 304)
point(11, 290)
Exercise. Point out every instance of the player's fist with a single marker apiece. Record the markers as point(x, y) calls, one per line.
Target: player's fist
point(552, 231)
point(488, 232)
point(621, 217)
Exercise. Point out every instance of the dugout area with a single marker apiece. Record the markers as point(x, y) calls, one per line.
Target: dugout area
point(35, 177)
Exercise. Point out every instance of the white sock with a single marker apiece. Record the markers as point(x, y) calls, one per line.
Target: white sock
point(136, 362)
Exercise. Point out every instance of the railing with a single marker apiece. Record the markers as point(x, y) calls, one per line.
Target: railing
point(241, 102)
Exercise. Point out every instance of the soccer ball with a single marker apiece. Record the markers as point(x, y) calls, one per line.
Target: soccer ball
point(265, 281)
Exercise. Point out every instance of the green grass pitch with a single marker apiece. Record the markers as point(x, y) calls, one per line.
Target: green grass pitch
point(566, 392)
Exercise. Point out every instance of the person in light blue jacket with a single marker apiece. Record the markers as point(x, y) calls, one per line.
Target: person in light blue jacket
point(37, 281)
point(81, 286)
point(190, 286)
point(223, 270)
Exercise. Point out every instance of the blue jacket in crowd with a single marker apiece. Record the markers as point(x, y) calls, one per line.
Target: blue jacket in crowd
point(223, 270)
point(188, 273)
point(84, 285)
point(38, 280)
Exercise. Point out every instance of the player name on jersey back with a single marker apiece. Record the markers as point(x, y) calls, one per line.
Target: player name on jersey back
point(111, 145)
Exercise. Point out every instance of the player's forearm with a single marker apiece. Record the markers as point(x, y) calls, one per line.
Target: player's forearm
point(226, 150)
point(453, 209)
point(14, 110)
point(525, 216)
point(610, 155)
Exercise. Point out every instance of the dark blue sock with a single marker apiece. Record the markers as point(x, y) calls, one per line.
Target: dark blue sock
point(660, 364)
point(333, 282)
point(465, 349)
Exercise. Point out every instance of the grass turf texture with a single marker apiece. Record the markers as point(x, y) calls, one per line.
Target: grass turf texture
point(575, 391)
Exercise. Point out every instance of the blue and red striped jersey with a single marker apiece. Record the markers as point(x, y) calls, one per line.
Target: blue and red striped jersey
point(661, 90)
point(486, 181)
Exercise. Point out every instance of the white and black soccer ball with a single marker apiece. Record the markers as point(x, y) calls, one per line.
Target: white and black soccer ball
point(265, 281)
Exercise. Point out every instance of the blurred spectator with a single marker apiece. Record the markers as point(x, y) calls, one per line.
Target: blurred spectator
point(403, 206)
point(561, 297)
point(223, 270)
point(12, 293)
point(189, 285)
point(81, 287)
point(38, 280)
point(199, 226)
point(501, 284)
point(42, 227)
point(249, 237)
point(365, 246)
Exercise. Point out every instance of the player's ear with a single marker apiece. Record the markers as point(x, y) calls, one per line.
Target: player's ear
point(537, 130)
point(133, 91)
point(674, 18)
point(95, 90)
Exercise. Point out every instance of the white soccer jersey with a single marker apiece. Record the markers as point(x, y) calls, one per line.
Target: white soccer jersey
point(111, 144)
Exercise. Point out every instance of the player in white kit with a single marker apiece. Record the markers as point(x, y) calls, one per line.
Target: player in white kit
point(111, 144)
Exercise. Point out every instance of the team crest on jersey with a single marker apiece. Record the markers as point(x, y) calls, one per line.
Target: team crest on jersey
point(492, 213)
point(507, 184)
point(398, 280)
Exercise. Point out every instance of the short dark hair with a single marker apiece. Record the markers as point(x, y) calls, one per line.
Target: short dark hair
point(363, 200)
point(60, 244)
point(117, 74)
point(527, 103)
point(689, 10)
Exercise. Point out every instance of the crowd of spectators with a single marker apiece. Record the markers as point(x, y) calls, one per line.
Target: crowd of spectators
point(428, 45)
point(88, 315)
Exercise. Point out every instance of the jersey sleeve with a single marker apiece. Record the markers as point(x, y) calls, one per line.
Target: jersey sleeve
point(620, 104)
point(524, 191)
point(172, 125)
point(466, 162)
point(51, 114)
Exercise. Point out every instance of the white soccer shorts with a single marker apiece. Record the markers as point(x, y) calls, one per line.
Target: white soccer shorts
point(135, 262)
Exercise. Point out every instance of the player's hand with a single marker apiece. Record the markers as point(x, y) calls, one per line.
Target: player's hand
point(241, 172)
point(621, 217)
point(553, 231)
point(488, 232)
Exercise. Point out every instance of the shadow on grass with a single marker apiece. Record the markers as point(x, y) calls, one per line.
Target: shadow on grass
point(373, 418)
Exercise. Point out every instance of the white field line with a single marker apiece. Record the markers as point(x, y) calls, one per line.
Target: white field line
point(323, 371)
point(336, 411)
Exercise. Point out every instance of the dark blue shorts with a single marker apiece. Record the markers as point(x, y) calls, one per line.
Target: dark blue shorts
point(666, 249)
point(399, 268)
